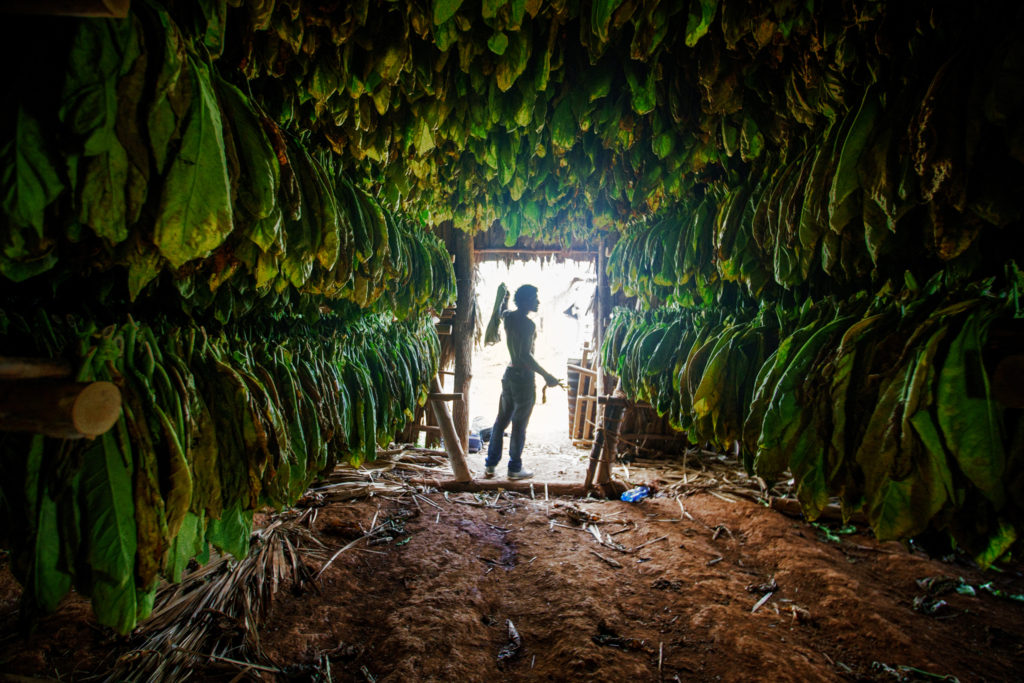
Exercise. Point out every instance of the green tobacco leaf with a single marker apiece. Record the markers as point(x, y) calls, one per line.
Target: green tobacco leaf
point(231, 532)
point(195, 207)
point(708, 395)
point(186, 545)
point(445, 10)
point(89, 110)
point(889, 509)
point(29, 180)
point(807, 462)
point(601, 12)
point(513, 61)
point(498, 42)
point(968, 416)
point(47, 583)
point(563, 125)
point(888, 478)
point(702, 13)
point(89, 98)
point(785, 417)
point(22, 269)
point(845, 196)
point(101, 194)
point(260, 169)
point(642, 88)
point(843, 365)
point(144, 264)
point(170, 94)
point(423, 138)
point(214, 14)
point(751, 140)
point(489, 8)
point(998, 544)
point(109, 515)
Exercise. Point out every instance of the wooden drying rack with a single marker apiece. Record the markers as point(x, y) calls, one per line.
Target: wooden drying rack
point(583, 411)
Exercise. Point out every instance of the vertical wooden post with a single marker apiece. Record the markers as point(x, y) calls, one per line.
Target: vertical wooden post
point(462, 332)
point(601, 312)
point(599, 318)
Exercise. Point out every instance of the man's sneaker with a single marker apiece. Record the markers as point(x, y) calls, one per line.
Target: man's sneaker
point(488, 472)
point(521, 474)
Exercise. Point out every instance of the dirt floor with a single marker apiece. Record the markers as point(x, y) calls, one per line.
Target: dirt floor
point(703, 587)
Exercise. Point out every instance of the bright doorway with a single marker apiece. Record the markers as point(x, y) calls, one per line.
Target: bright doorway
point(565, 320)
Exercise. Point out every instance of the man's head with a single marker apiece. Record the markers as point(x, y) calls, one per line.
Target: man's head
point(526, 298)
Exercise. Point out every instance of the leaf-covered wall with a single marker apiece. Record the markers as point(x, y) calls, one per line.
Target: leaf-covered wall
point(835, 306)
point(263, 316)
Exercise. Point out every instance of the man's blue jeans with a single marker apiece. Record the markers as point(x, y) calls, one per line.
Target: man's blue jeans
point(518, 394)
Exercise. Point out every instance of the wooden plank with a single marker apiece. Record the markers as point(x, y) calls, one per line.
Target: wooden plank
point(582, 370)
point(591, 417)
point(457, 396)
point(429, 429)
point(556, 488)
point(577, 418)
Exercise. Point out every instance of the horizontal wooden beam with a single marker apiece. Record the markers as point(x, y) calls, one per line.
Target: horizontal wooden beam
point(554, 488)
point(429, 429)
point(622, 401)
point(576, 255)
point(582, 370)
point(58, 407)
point(32, 368)
point(445, 397)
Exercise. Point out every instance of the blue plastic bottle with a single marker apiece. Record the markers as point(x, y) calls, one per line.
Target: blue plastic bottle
point(636, 493)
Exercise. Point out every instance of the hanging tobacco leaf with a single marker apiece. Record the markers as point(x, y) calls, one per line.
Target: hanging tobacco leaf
point(29, 181)
point(195, 214)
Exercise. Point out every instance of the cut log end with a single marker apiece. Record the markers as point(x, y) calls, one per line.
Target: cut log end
point(96, 409)
point(59, 408)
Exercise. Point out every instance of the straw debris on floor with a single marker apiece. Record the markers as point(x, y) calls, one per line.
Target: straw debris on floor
point(213, 616)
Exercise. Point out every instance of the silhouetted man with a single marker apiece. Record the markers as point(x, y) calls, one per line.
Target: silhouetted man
point(518, 393)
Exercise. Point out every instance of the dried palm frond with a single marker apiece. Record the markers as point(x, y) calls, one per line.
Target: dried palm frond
point(706, 471)
point(383, 475)
point(214, 613)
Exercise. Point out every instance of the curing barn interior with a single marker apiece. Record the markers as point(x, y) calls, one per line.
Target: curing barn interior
point(243, 253)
